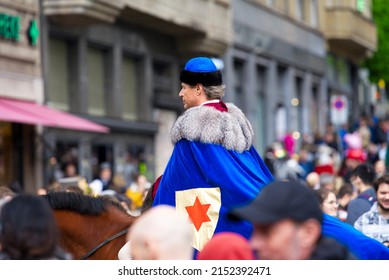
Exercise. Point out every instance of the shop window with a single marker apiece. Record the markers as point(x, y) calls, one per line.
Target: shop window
point(58, 74)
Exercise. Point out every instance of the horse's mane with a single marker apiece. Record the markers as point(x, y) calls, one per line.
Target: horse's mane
point(83, 204)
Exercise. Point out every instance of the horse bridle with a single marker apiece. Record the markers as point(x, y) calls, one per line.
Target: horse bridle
point(91, 252)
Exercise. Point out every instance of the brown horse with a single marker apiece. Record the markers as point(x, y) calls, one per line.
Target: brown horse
point(90, 227)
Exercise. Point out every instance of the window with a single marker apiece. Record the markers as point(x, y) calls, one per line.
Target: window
point(238, 84)
point(270, 3)
point(297, 104)
point(331, 67)
point(261, 109)
point(314, 109)
point(300, 10)
point(343, 71)
point(130, 88)
point(338, 70)
point(162, 77)
point(96, 81)
point(313, 13)
point(361, 5)
point(58, 74)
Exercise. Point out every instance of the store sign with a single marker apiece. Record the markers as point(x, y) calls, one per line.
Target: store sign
point(9, 27)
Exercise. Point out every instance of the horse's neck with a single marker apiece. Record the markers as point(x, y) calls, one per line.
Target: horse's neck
point(82, 233)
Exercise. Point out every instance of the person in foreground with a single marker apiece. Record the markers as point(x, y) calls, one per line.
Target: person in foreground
point(227, 246)
point(287, 223)
point(28, 230)
point(160, 234)
point(214, 166)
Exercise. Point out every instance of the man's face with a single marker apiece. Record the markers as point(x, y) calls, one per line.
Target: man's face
point(383, 197)
point(106, 174)
point(189, 95)
point(279, 241)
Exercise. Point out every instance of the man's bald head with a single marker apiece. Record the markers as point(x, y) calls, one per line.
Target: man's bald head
point(161, 233)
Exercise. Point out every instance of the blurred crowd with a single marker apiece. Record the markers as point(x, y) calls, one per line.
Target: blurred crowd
point(346, 170)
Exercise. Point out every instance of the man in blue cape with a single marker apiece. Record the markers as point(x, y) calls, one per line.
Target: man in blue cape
point(213, 167)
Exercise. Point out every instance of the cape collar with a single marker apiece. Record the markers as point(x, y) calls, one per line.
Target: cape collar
point(209, 125)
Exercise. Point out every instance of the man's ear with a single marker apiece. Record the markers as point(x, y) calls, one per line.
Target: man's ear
point(199, 88)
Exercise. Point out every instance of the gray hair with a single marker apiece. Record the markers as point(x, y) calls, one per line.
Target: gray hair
point(215, 92)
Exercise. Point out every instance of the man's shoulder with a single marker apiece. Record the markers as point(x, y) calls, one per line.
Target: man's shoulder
point(367, 197)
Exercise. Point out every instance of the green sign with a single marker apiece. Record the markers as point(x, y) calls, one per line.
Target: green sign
point(33, 32)
point(9, 27)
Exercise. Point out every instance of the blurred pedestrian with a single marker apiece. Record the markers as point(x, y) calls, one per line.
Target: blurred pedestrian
point(227, 246)
point(380, 168)
point(313, 180)
point(327, 181)
point(161, 234)
point(362, 179)
point(104, 181)
point(137, 190)
point(345, 194)
point(28, 230)
point(327, 201)
point(375, 222)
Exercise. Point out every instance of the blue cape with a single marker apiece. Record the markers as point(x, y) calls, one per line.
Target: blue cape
point(240, 177)
point(362, 246)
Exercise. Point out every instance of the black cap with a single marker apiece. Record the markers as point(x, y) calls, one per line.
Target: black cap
point(281, 200)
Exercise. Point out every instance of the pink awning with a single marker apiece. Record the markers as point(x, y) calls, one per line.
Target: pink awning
point(20, 111)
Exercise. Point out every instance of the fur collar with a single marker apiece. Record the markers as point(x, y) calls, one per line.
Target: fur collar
point(206, 124)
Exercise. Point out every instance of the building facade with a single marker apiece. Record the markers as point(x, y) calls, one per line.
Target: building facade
point(117, 63)
point(351, 37)
point(276, 68)
point(289, 59)
point(20, 78)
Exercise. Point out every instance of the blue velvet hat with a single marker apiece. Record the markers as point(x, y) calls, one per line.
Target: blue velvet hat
point(201, 70)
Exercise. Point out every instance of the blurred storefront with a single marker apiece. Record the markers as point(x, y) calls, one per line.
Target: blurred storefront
point(23, 114)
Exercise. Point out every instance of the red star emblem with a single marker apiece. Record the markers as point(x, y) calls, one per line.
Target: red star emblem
point(198, 213)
